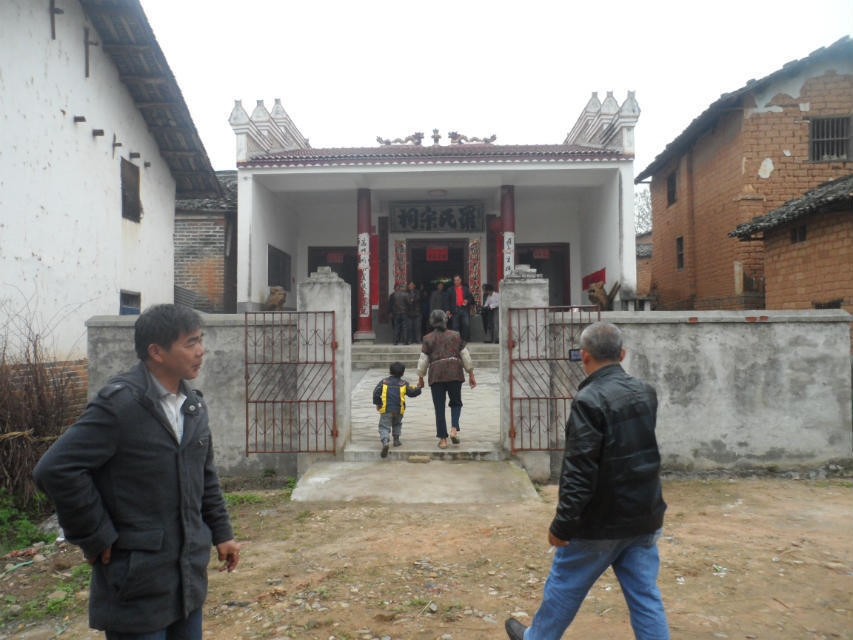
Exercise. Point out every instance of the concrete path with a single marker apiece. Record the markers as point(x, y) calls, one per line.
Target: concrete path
point(480, 421)
point(435, 482)
point(474, 471)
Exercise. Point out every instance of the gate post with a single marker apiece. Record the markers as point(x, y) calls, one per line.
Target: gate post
point(324, 290)
point(523, 287)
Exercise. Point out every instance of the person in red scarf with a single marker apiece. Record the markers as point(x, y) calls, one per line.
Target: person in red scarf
point(461, 301)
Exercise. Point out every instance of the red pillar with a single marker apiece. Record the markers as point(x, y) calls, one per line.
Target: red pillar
point(365, 317)
point(508, 224)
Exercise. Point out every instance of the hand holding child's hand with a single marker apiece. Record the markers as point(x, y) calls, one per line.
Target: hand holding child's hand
point(420, 382)
point(378, 408)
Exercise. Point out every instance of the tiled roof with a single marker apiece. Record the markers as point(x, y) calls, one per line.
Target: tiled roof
point(707, 119)
point(226, 202)
point(126, 36)
point(836, 195)
point(435, 154)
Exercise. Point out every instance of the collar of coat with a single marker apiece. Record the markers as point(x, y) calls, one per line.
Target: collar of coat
point(606, 370)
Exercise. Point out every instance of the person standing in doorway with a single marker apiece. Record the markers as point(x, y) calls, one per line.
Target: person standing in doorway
point(135, 487)
point(460, 302)
point(491, 313)
point(438, 299)
point(413, 314)
point(610, 505)
point(445, 355)
point(397, 303)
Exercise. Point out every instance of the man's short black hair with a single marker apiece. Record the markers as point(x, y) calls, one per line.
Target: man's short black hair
point(397, 369)
point(163, 324)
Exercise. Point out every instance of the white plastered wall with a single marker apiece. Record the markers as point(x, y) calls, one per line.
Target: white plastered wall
point(65, 251)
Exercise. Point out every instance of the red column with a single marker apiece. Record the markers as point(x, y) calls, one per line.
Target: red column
point(508, 224)
point(365, 317)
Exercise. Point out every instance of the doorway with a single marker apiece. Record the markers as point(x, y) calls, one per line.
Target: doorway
point(344, 262)
point(434, 261)
point(552, 262)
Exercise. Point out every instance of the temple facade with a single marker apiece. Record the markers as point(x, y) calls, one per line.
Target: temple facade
point(422, 209)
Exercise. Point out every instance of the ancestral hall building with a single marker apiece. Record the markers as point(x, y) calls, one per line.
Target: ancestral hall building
point(417, 210)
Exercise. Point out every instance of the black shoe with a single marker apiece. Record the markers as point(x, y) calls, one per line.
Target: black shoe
point(384, 453)
point(397, 442)
point(514, 629)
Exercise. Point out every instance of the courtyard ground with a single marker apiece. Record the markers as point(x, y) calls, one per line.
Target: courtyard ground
point(768, 558)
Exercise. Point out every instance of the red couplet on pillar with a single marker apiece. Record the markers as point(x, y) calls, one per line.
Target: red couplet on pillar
point(365, 321)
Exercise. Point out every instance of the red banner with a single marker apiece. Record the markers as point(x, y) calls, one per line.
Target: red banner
point(436, 254)
point(595, 276)
point(335, 258)
point(541, 254)
point(374, 270)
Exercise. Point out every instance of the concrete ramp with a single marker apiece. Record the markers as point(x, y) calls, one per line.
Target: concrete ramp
point(435, 482)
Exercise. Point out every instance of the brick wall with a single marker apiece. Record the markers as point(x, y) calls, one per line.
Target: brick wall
point(820, 269)
point(200, 258)
point(644, 276)
point(719, 177)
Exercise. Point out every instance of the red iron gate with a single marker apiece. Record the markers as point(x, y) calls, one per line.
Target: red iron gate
point(544, 373)
point(290, 382)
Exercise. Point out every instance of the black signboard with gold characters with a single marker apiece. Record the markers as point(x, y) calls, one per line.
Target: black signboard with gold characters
point(441, 216)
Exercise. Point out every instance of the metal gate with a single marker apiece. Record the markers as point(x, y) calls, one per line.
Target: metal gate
point(290, 382)
point(544, 372)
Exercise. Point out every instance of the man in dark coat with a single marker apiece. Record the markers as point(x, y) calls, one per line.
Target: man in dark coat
point(610, 508)
point(413, 314)
point(135, 487)
point(398, 302)
point(460, 300)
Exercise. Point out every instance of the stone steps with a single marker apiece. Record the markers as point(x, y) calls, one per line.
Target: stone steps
point(358, 452)
point(371, 356)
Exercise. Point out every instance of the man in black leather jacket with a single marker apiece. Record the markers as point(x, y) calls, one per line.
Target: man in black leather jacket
point(610, 507)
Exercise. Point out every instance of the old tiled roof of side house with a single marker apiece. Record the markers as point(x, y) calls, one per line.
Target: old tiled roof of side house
point(126, 37)
point(835, 195)
point(436, 154)
point(709, 117)
point(227, 201)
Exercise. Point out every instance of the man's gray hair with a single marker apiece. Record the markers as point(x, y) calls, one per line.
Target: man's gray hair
point(603, 341)
point(437, 319)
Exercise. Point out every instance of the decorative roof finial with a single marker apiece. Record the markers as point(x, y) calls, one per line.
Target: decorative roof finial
point(436, 136)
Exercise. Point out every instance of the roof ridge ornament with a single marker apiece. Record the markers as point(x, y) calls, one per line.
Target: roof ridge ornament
point(606, 124)
point(414, 139)
point(457, 138)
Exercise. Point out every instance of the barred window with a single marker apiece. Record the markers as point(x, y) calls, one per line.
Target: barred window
point(671, 188)
point(278, 268)
point(131, 207)
point(129, 303)
point(798, 234)
point(829, 139)
point(679, 252)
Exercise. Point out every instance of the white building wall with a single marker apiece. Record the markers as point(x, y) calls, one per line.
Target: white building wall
point(600, 232)
point(326, 225)
point(65, 251)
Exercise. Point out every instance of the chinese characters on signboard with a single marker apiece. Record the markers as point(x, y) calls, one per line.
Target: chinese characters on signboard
point(437, 216)
point(436, 254)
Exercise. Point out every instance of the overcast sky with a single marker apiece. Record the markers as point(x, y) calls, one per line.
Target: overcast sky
point(348, 71)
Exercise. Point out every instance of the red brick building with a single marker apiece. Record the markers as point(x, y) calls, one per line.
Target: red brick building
point(644, 263)
point(206, 250)
point(808, 248)
point(748, 153)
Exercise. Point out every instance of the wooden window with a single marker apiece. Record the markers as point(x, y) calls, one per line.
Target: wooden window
point(798, 234)
point(679, 252)
point(829, 139)
point(278, 268)
point(129, 303)
point(131, 207)
point(671, 188)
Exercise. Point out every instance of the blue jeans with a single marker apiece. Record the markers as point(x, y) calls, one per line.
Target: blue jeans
point(188, 628)
point(578, 565)
point(461, 322)
point(440, 390)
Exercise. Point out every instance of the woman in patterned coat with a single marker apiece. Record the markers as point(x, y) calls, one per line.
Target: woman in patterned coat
point(445, 355)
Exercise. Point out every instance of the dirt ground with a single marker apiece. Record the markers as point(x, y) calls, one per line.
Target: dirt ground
point(741, 558)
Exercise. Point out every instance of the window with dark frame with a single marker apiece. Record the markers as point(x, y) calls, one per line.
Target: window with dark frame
point(671, 188)
point(679, 252)
point(131, 207)
point(278, 268)
point(129, 303)
point(829, 139)
point(798, 234)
